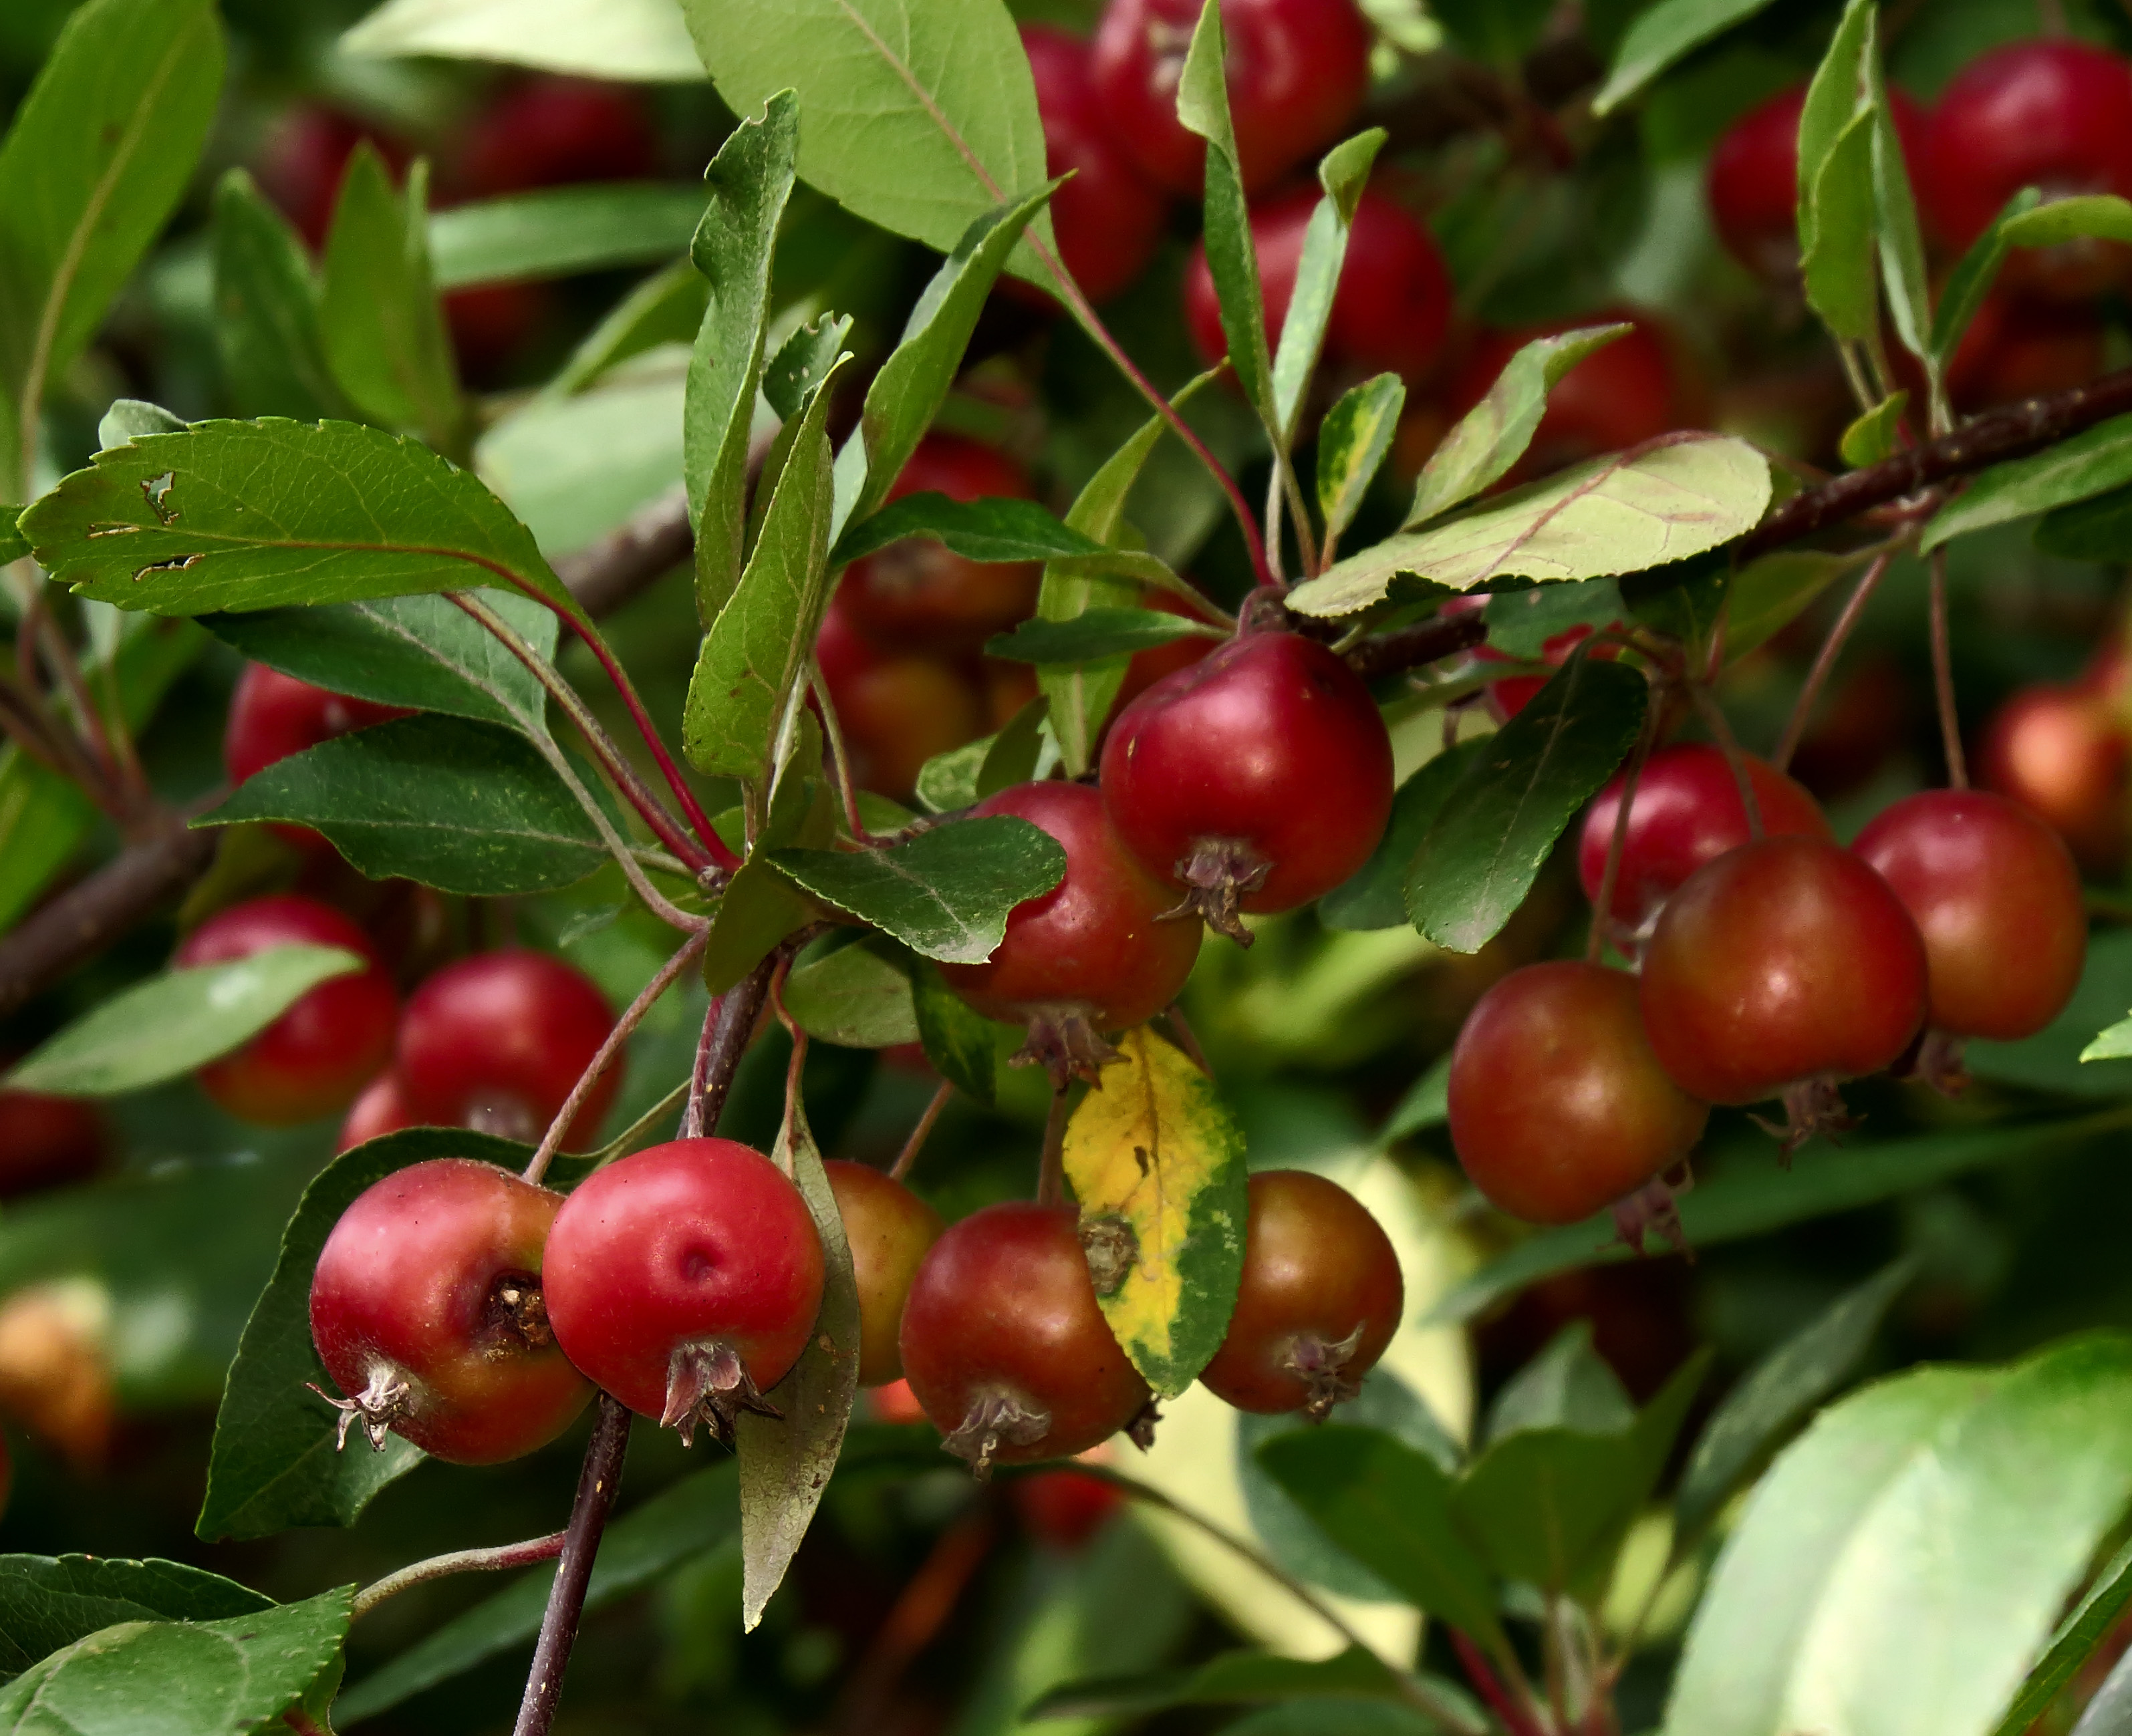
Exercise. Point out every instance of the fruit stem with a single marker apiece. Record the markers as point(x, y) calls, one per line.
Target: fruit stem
point(1051, 1171)
point(1950, 723)
point(1603, 907)
point(494, 1560)
point(726, 1029)
point(624, 1027)
point(1824, 659)
point(916, 1142)
point(1516, 1718)
point(1728, 744)
point(598, 1484)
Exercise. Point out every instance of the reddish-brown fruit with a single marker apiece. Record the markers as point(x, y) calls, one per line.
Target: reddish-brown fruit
point(1995, 893)
point(314, 1058)
point(551, 132)
point(2062, 753)
point(1777, 969)
point(895, 1403)
point(498, 1041)
point(1005, 1345)
point(1256, 779)
point(47, 1142)
point(1559, 1106)
point(685, 1280)
point(1394, 302)
point(1108, 218)
point(895, 709)
point(1296, 72)
point(55, 1376)
point(380, 1109)
point(1687, 811)
point(1319, 1299)
point(1093, 954)
point(428, 1312)
point(889, 1229)
point(1064, 1509)
point(917, 595)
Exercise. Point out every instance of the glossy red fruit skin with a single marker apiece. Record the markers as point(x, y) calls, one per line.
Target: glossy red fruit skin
point(1148, 667)
point(915, 595)
point(1619, 395)
point(47, 1142)
point(889, 1229)
point(551, 132)
point(1686, 812)
point(1558, 1104)
point(1096, 942)
point(1109, 218)
point(896, 709)
point(380, 1109)
point(2054, 114)
point(496, 1042)
point(1272, 743)
point(688, 1243)
point(1392, 308)
point(1784, 960)
point(1995, 893)
point(1752, 182)
point(1003, 1308)
point(1064, 1509)
point(1297, 70)
point(313, 1059)
point(2063, 752)
point(1318, 1268)
point(418, 1274)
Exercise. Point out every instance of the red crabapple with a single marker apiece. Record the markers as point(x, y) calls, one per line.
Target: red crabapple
point(47, 1142)
point(895, 709)
point(2063, 752)
point(553, 131)
point(889, 1229)
point(1109, 219)
point(272, 715)
point(380, 1109)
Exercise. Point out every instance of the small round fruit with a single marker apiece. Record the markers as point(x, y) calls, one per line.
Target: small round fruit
point(551, 132)
point(1558, 1106)
point(1108, 218)
point(1393, 305)
point(685, 1280)
point(1687, 811)
point(895, 709)
point(1296, 71)
point(1785, 963)
point(2063, 753)
point(1005, 1345)
point(1995, 893)
point(314, 1058)
point(1065, 1508)
point(1319, 1300)
point(2021, 347)
point(497, 1042)
point(1093, 954)
point(2053, 114)
point(47, 1142)
point(918, 595)
point(1622, 394)
point(1256, 779)
point(889, 1229)
point(427, 1310)
point(380, 1109)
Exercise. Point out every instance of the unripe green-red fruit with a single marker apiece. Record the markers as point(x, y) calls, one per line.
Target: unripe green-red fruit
point(889, 1229)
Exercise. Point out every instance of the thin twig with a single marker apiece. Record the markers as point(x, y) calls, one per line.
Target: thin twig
point(618, 847)
point(840, 758)
point(726, 1029)
point(1728, 744)
point(1516, 1718)
point(624, 1028)
point(1603, 907)
point(503, 1556)
point(1950, 721)
point(1824, 660)
point(916, 1142)
point(598, 1485)
point(1051, 1168)
point(1298, 510)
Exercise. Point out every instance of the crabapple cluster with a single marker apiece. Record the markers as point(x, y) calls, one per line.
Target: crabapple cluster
point(1768, 961)
point(2063, 751)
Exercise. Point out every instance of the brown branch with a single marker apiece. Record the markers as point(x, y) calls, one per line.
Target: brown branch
point(598, 1483)
point(625, 562)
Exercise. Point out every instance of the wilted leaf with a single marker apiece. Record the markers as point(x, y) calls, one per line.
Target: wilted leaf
point(1156, 1165)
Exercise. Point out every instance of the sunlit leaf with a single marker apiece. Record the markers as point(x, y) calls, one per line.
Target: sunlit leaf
point(636, 40)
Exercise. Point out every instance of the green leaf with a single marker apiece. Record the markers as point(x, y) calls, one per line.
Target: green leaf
point(2098, 460)
point(1375, 897)
point(1777, 1395)
point(1202, 106)
point(1877, 434)
point(559, 232)
point(1569, 1385)
point(2113, 1043)
point(466, 808)
point(2064, 1056)
point(267, 327)
point(1521, 622)
point(1653, 503)
point(667, 307)
point(1770, 592)
point(1832, 101)
point(1504, 32)
point(854, 996)
point(960, 1042)
point(230, 1677)
point(1902, 243)
point(164, 1028)
point(802, 362)
point(1427, 1104)
point(98, 154)
point(260, 515)
point(1343, 1718)
point(1493, 436)
point(130, 418)
point(751, 673)
point(2078, 1638)
point(1838, 268)
point(14, 545)
point(748, 184)
point(946, 893)
point(1948, 1512)
point(47, 1602)
point(1970, 281)
point(577, 467)
point(913, 383)
point(757, 910)
point(1095, 633)
point(917, 119)
point(1663, 36)
point(1155, 1162)
point(1353, 441)
point(274, 1463)
point(385, 334)
point(992, 528)
point(1497, 827)
point(1343, 174)
point(1389, 1506)
point(1015, 751)
point(633, 41)
point(1232, 1678)
point(2097, 529)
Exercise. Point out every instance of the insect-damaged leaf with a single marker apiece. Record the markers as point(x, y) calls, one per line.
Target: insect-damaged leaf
point(1157, 1164)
